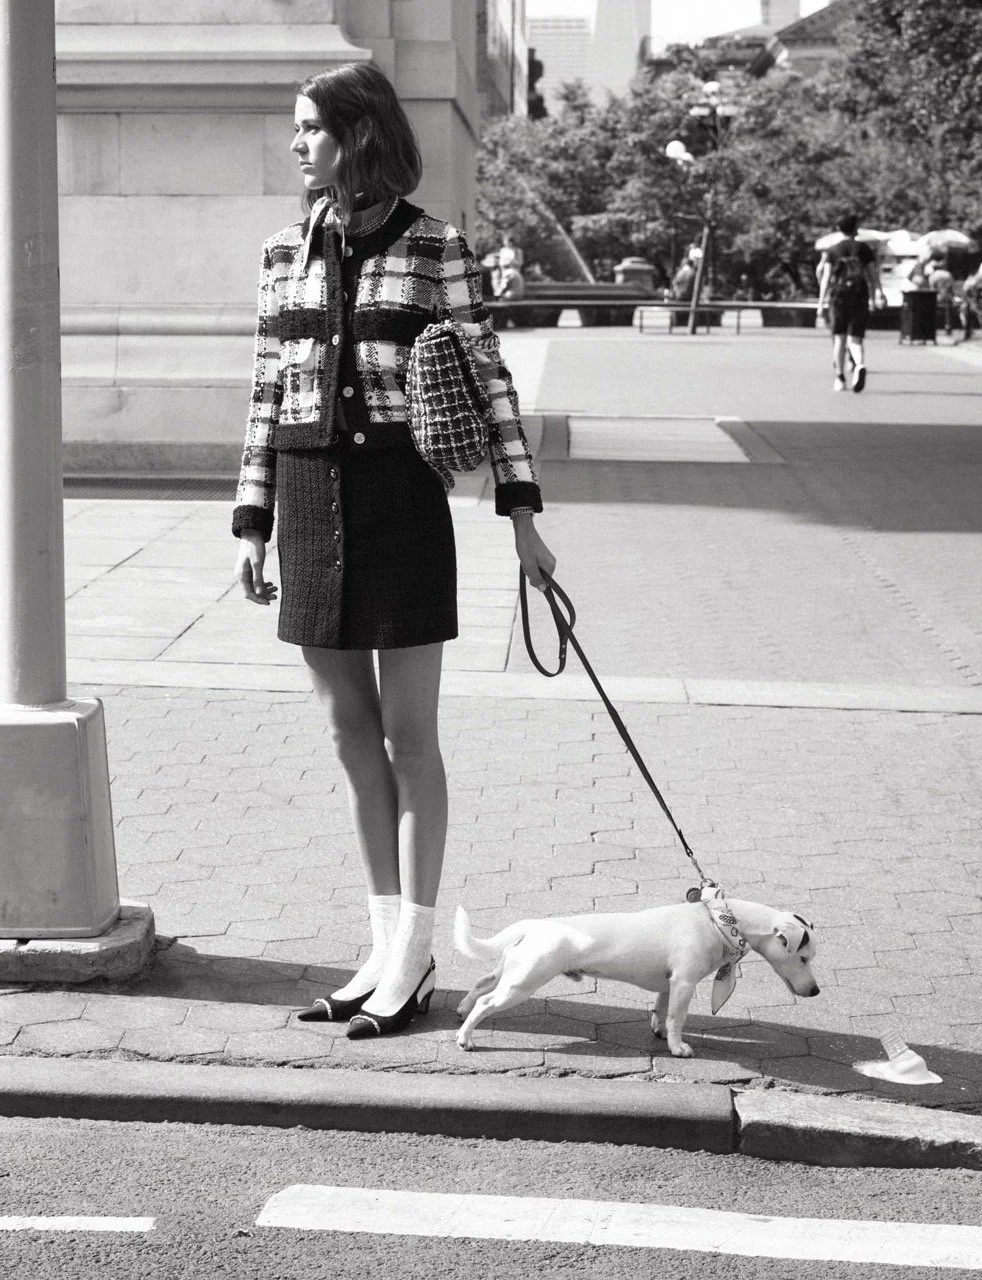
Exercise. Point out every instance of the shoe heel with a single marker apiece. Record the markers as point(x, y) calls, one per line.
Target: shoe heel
point(428, 986)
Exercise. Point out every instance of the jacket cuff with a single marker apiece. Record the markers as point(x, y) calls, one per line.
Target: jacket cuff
point(257, 518)
point(516, 493)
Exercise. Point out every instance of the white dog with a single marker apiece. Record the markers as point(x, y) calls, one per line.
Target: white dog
point(665, 949)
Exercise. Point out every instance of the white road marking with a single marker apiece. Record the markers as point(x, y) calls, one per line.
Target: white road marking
point(604, 1222)
point(76, 1224)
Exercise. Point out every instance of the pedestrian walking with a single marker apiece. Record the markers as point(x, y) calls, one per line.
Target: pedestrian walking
point(364, 533)
point(849, 279)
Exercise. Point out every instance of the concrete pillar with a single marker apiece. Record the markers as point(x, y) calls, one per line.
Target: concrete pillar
point(57, 856)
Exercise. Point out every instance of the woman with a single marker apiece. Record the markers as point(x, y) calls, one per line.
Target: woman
point(364, 536)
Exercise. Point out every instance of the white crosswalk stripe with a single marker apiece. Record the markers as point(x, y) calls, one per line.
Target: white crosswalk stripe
point(75, 1223)
point(601, 1222)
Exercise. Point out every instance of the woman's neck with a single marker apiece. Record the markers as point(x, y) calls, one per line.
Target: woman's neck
point(360, 217)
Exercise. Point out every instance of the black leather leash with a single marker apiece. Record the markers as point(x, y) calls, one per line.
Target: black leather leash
point(564, 629)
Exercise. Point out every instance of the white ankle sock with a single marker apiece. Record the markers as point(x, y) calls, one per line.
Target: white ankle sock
point(408, 959)
point(383, 911)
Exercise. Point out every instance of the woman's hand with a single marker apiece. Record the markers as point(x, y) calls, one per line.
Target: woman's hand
point(249, 568)
point(532, 551)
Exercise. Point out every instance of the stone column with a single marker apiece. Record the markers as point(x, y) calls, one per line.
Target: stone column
point(175, 120)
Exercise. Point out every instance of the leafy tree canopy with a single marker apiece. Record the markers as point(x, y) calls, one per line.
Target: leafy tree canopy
point(893, 131)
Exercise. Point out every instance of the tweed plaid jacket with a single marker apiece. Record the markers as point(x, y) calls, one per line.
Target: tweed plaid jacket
point(340, 319)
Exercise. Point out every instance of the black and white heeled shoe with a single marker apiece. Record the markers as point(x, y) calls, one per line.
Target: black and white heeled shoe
point(331, 1009)
point(365, 1025)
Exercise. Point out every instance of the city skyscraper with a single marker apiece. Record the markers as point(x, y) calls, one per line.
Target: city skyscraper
point(597, 41)
point(779, 13)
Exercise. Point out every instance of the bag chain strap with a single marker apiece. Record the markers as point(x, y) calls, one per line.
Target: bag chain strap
point(564, 629)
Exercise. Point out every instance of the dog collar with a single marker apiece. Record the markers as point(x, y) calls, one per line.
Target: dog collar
point(736, 946)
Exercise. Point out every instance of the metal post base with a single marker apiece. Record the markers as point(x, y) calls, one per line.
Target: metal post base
point(57, 853)
point(120, 953)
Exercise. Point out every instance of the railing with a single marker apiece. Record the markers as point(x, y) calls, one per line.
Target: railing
point(574, 301)
point(705, 310)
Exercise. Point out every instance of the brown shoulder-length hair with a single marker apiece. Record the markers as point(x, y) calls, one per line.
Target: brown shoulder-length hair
point(378, 153)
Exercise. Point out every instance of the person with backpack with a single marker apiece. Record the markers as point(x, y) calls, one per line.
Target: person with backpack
point(847, 281)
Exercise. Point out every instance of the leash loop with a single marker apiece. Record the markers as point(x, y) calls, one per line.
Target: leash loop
point(564, 629)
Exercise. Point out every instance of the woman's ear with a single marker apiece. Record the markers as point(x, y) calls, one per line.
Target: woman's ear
point(362, 131)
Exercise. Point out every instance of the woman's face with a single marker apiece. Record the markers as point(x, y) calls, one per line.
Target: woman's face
point(315, 148)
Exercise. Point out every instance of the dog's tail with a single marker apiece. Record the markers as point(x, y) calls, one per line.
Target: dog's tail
point(483, 948)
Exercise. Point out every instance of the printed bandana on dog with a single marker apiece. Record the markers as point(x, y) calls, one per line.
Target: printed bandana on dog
point(734, 942)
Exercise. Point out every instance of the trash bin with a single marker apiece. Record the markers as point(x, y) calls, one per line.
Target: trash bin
point(919, 316)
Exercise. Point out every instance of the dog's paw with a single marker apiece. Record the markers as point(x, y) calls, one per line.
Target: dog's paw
point(656, 1027)
point(682, 1050)
point(464, 1043)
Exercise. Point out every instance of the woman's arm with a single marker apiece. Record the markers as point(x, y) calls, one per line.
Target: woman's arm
point(255, 496)
point(824, 274)
point(515, 480)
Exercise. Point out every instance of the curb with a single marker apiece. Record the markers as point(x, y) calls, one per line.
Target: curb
point(689, 1117)
point(842, 1132)
point(767, 1124)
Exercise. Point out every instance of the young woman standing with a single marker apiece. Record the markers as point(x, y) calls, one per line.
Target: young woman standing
point(364, 536)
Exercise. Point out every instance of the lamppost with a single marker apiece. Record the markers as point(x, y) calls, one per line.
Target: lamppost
point(60, 915)
point(714, 116)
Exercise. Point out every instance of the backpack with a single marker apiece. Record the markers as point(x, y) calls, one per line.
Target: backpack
point(848, 274)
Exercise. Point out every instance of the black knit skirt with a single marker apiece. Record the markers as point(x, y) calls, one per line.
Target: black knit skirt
point(366, 549)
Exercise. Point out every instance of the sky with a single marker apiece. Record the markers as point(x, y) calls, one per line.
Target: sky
point(675, 23)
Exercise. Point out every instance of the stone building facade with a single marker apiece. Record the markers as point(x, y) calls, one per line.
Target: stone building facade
point(174, 125)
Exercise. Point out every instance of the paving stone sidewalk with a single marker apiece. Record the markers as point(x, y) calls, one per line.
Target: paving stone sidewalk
point(232, 823)
point(855, 558)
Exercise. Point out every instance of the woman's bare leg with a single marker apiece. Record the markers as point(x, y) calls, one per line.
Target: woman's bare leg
point(409, 683)
point(344, 681)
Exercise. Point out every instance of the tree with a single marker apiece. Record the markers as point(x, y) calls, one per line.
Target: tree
point(532, 174)
point(908, 86)
point(893, 132)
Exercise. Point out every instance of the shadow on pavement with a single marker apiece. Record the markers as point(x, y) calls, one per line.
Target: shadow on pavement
point(907, 478)
point(583, 1037)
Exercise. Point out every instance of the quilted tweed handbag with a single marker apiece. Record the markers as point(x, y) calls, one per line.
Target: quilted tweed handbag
point(447, 403)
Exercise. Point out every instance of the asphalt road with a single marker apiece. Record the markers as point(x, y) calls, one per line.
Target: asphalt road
point(205, 1186)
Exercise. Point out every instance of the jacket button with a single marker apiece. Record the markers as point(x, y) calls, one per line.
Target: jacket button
point(348, 251)
point(334, 473)
point(347, 392)
point(337, 564)
point(335, 340)
point(335, 508)
point(359, 437)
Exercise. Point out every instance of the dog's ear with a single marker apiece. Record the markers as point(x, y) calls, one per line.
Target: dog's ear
point(795, 937)
point(804, 922)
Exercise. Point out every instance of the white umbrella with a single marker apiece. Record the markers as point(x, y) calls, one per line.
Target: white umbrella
point(902, 244)
point(864, 233)
point(947, 239)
